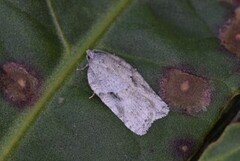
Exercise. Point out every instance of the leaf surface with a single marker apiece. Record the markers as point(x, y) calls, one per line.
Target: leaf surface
point(52, 36)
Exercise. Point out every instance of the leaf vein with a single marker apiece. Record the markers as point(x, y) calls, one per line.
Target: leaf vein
point(60, 33)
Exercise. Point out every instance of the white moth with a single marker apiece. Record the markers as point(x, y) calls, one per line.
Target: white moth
point(124, 91)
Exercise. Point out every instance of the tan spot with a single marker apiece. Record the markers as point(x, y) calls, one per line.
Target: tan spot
point(18, 84)
point(184, 148)
point(185, 86)
point(22, 83)
point(185, 92)
point(229, 34)
point(237, 37)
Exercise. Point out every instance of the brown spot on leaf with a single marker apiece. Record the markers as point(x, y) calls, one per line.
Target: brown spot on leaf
point(18, 84)
point(183, 148)
point(185, 92)
point(237, 37)
point(229, 34)
point(184, 86)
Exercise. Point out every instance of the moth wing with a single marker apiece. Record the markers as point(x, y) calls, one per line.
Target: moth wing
point(135, 114)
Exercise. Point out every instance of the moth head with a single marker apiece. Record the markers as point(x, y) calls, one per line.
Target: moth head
point(90, 55)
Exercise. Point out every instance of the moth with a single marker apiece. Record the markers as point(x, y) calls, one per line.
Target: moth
point(124, 91)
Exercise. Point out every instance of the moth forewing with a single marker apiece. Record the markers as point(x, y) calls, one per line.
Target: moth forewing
point(124, 91)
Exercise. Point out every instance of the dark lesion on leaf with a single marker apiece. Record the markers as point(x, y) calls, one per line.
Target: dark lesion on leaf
point(183, 148)
point(185, 92)
point(229, 34)
point(19, 84)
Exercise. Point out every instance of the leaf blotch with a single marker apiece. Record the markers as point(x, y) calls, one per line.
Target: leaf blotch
point(182, 148)
point(19, 84)
point(185, 92)
point(229, 34)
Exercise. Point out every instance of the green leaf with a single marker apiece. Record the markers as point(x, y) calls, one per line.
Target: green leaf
point(226, 148)
point(64, 124)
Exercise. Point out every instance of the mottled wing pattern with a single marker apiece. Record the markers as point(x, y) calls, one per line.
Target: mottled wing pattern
point(124, 91)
